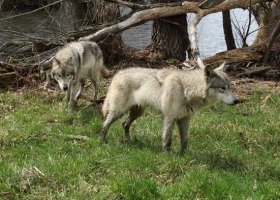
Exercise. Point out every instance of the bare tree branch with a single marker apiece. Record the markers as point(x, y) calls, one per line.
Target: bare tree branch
point(137, 6)
point(33, 11)
point(193, 35)
point(144, 16)
point(172, 9)
point(210, 3)
point(130, 4)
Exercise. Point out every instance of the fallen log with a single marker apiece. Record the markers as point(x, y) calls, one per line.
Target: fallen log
point(8, 79)
point(254, 71)
point(22, 71)
point(236, 56)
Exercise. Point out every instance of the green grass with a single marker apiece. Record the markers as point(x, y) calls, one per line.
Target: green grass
point(233, 152)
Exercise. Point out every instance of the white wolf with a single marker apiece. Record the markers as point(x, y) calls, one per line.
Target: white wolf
point(178, 94)
point(73, 64)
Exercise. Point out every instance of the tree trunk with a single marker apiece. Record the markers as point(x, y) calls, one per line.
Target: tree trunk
point(268, 37)
point(72, 14)
point(270, 43)
point(170, 37)
point(267, 21)
point(100, 13)
point(228, 30)
point(77, 13)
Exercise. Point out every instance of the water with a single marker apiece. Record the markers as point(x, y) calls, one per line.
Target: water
point(139, 36)
point(210, 32)
point(37, 24)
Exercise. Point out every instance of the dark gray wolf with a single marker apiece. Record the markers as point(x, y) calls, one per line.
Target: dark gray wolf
point(178, 94)
point(73, 64)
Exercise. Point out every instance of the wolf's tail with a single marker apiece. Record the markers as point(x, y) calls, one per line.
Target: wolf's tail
point(105, 73)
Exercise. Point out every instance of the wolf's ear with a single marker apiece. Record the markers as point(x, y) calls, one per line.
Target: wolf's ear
point(69, 61)
point(52, 72)
point(209, 72)
point(55, 61)
point(200, 63)
point(222, 67)
point(54, 65)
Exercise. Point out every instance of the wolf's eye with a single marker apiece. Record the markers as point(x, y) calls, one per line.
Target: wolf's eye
point(59, 76)
point(222, 89)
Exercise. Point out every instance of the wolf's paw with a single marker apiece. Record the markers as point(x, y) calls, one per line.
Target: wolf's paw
point(72, 106)
point(166, 148)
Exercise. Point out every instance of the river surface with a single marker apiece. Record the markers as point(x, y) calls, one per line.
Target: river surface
point(210, 30)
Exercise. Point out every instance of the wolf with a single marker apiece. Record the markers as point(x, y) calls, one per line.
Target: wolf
point(73, 64)
point(177, 94)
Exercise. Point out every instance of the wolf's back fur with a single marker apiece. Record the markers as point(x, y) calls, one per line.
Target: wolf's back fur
point(178, 94)
point(174, 92)
point(84, 54)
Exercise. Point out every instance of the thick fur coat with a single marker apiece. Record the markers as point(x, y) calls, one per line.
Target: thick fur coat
point(177, 94)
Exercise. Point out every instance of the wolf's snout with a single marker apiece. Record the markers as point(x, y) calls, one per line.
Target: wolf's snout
point(236, 101)
point(65, 87)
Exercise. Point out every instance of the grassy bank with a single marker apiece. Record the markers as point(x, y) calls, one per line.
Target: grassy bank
point(45, 153)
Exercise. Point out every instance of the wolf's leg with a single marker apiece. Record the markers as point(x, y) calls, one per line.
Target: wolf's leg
point(110, 119)
point(72, 99)
point(94, 80)
point(69, 93)
point(184, 125)
point(79, 92)
point(168, 126)
point(134, 113)
point(96, 90)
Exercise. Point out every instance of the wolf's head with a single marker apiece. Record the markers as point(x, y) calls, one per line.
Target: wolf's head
point(63, 73)
point(218, 85)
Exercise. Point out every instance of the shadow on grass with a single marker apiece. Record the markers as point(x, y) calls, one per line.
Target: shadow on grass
point(227, 162)
point(91, 111)
point(234, 163)
point(144, 143)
